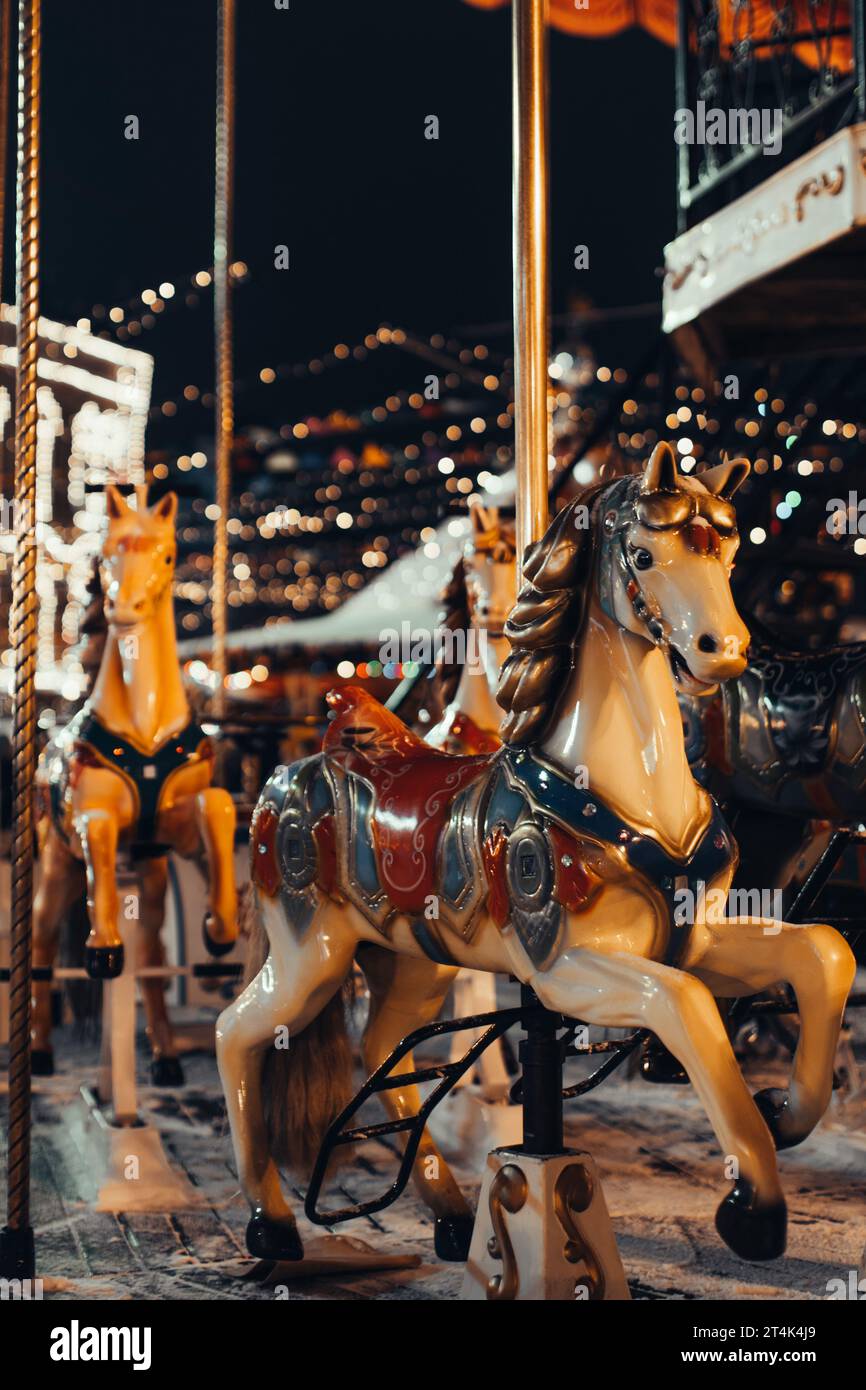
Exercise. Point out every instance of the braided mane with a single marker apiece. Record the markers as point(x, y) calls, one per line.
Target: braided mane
point(546, 621)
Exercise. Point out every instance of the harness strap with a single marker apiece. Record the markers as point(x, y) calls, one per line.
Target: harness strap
point(584, 813)
point(147, 772)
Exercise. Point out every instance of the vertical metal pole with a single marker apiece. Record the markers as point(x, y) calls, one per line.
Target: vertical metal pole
point(529, 221)
point(682, 97)
point(16, 1240)
point(222, 253)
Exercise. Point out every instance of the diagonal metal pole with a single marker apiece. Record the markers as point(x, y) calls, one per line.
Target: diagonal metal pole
point(222, 252)
point(17, 1257)
point(530, 252)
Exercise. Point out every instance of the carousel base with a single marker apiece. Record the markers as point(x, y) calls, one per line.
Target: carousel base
point(131, 1167)
point(543, 1233)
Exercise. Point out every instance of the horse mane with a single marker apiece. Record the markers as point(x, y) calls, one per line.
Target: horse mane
point(546, 620)
point(454, 615)
point(92, 630)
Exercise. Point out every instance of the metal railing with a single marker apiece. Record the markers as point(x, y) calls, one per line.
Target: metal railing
point(797, 66)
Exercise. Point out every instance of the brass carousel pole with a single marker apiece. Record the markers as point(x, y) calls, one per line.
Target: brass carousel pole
point(529, 222)
point(224, 434)
point(16, 1240)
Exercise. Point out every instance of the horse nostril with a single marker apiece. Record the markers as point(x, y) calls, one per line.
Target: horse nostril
point(707, 643)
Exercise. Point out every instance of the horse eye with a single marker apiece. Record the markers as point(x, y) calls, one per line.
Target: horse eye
point(643, 560)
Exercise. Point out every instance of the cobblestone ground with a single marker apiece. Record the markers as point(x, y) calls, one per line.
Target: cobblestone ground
point(660, 1167)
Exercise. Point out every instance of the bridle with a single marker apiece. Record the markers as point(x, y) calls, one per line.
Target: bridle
point(625, 502)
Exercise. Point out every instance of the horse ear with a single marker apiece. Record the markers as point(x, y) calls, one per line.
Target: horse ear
point(660, 474)
point(483, 518)
point(726, 477)
point(166, 508)
point(115, 503)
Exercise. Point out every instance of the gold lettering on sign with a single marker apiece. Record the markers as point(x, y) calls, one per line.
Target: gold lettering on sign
point(831, 184)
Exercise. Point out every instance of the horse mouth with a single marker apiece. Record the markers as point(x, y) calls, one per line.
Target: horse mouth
point(685, 678)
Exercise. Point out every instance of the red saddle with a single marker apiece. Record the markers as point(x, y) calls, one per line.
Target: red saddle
point(413, 790)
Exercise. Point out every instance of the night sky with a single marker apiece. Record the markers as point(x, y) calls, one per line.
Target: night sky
point(382, 225)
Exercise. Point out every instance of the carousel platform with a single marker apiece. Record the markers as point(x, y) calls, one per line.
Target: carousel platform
point(659, 1163)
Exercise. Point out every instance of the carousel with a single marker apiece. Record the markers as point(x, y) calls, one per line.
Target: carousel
point(480, 921)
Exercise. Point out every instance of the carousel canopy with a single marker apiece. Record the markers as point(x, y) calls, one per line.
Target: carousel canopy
point(758, 22)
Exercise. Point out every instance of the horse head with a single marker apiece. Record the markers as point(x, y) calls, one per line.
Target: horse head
point(668, 543)
point(138, 556)
point(657, 550)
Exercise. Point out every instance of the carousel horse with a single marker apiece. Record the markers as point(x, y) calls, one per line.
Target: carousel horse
point(785, 742)
point(782, 748)
point(477, 601)
point(131, 771)
point(560, 859)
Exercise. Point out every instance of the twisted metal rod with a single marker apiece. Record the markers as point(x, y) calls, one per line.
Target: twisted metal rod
point(5, 59)
point(223, 216)
point(16, 1242)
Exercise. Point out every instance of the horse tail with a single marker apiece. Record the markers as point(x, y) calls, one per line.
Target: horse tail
point(307, 1083)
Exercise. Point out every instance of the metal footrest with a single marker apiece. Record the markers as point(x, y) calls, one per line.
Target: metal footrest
point(446, 1073)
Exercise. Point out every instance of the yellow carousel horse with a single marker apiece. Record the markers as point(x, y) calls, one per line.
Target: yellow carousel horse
point(566, 858)
point(131, 772)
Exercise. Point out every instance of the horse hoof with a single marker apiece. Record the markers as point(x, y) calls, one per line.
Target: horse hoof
point(753, 1233)
point(660, 1066)
point(215, 948)
point(274, 1240)
point(772, 1105)
point(103, 962)
point(42, 1061)
point(452, 1236)
point(166, 1071)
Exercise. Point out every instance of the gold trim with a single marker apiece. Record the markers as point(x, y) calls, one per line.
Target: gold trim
point(508, 1192)
point(573, 1195)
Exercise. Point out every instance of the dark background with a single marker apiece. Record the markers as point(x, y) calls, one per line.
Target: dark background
point(382, 225)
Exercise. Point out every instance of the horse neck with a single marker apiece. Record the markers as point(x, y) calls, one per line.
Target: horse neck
point(139, 692)
point(620, 720)
point(475, 695)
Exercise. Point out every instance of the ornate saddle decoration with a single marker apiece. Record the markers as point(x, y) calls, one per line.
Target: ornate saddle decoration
point(794, 732)
point(402, 791)
point(797, 700)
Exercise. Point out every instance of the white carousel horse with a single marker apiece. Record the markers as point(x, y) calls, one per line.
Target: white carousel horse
point(477, 601)
point(559, 859)
point(133, 771)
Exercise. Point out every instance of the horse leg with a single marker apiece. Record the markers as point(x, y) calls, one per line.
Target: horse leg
point(292, 987)
point(742, 956)
point(406, 993)
point(622, 990)
point(61, 881)
point(153, 880)
point(97, 831)
point(215, 820)
point(475, 993)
